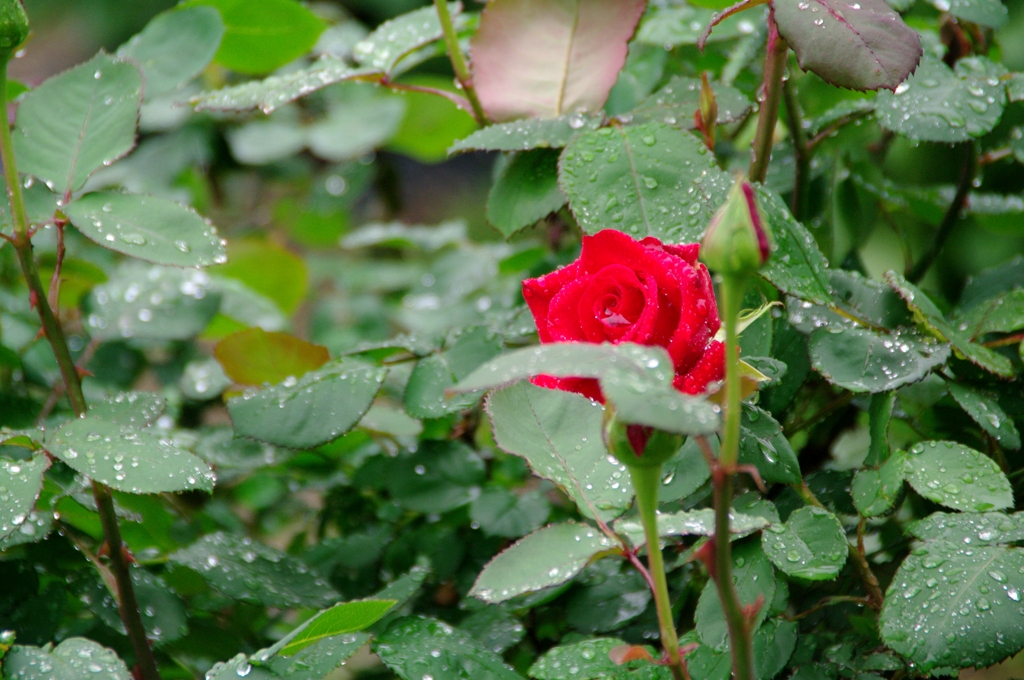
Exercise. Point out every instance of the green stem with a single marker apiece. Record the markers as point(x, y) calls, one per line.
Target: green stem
point(740, 639)
point(768, 116)
point(968, 168)
point(646, 482)
point(458, 59)
point(22, 242)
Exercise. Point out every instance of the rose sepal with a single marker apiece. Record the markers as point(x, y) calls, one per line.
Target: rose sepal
point(738, 240)
point(637, 445)
point(13, 27)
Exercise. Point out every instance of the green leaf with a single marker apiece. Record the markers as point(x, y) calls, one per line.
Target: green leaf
point(937, 104)
point(958, 477)
point(989, 528)
point(494, 628)
point(269, 269)
point(525, 191)
point(932, 319)
point(440, 476)
point(988, 13)
point(774, 643)
point(130, 409)
point(690, 523)
point(406, 237)
point(255, 357)
point(127, 459)
point(875, 491)
point(499, 512)
point(174, 48)
point(753, 577)
point(413, 647)
point(639, 402)
point(532, 133)
point(274, 92)
point(545, 558)
point(317, 408)
point(163, 612)
point(21, 481)
point(77, 122)
point(686, 473)
point(40, 206)
point(148, 228)
point(151, 302)
point(573, 359)
point(676, 102)
point(861, 360)
point(262, 37)
point(763, 445)
point(645, 180)
point(862, 46)
point(315, 662)
point(609, 604)
point(589, 658)
point(567, 55)
point(357, 127)
point(796, 266)
point(245, 570)
point(987, 412)
point(398, 37)
point(347, 617)
point(682, 25)
point(953, 606)
point(73, 659)
point(999, 314)
point(390, 420)
point(810, 545)
point(425, 393)
point(560, 436)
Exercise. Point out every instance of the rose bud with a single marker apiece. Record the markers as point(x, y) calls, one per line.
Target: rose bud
point(638, 445)
point(13, 26)
point(737, 241)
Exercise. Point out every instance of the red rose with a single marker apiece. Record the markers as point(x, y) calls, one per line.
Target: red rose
point(623, 290)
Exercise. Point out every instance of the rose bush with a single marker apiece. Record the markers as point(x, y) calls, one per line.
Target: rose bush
point(624, 290)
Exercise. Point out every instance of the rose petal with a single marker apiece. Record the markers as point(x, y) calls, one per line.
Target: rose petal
point(710, 368)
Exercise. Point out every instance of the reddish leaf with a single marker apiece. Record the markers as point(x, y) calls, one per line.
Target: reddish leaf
point(255, 357)
point(626, 653)
point(545, 58)
point(859, 44)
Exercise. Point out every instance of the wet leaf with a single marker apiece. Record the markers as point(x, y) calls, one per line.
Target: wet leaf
point(525, 191)
point(174, 48)
point(426, 393)
point(1000, 314)
point(675, 103)
point(559, 435)
point(128, 459)
point(935, 323)
point(502, 513)
point(532, 133)
point(644, 180)
point(77, 122)
point(875, 491)
point(130, 409)
point(810, 545)
point(312, 410)
point(753, 577)
point(682, 25)
point(153, 302)
point(20, 483)
point(148, 228)
point(860, 45)
point(796, 266)
point(546, 59)
point(383, 49)
point(245, 570)
point(955, 606)
point(988, 13)
point(987, 412)
point(73, 659)
point(545, 558)
point(937, 104)
point(690, 523)
point(413, 647)
point(274, 92)
point(861, 360)
point(970, 528)
point(958, 477)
